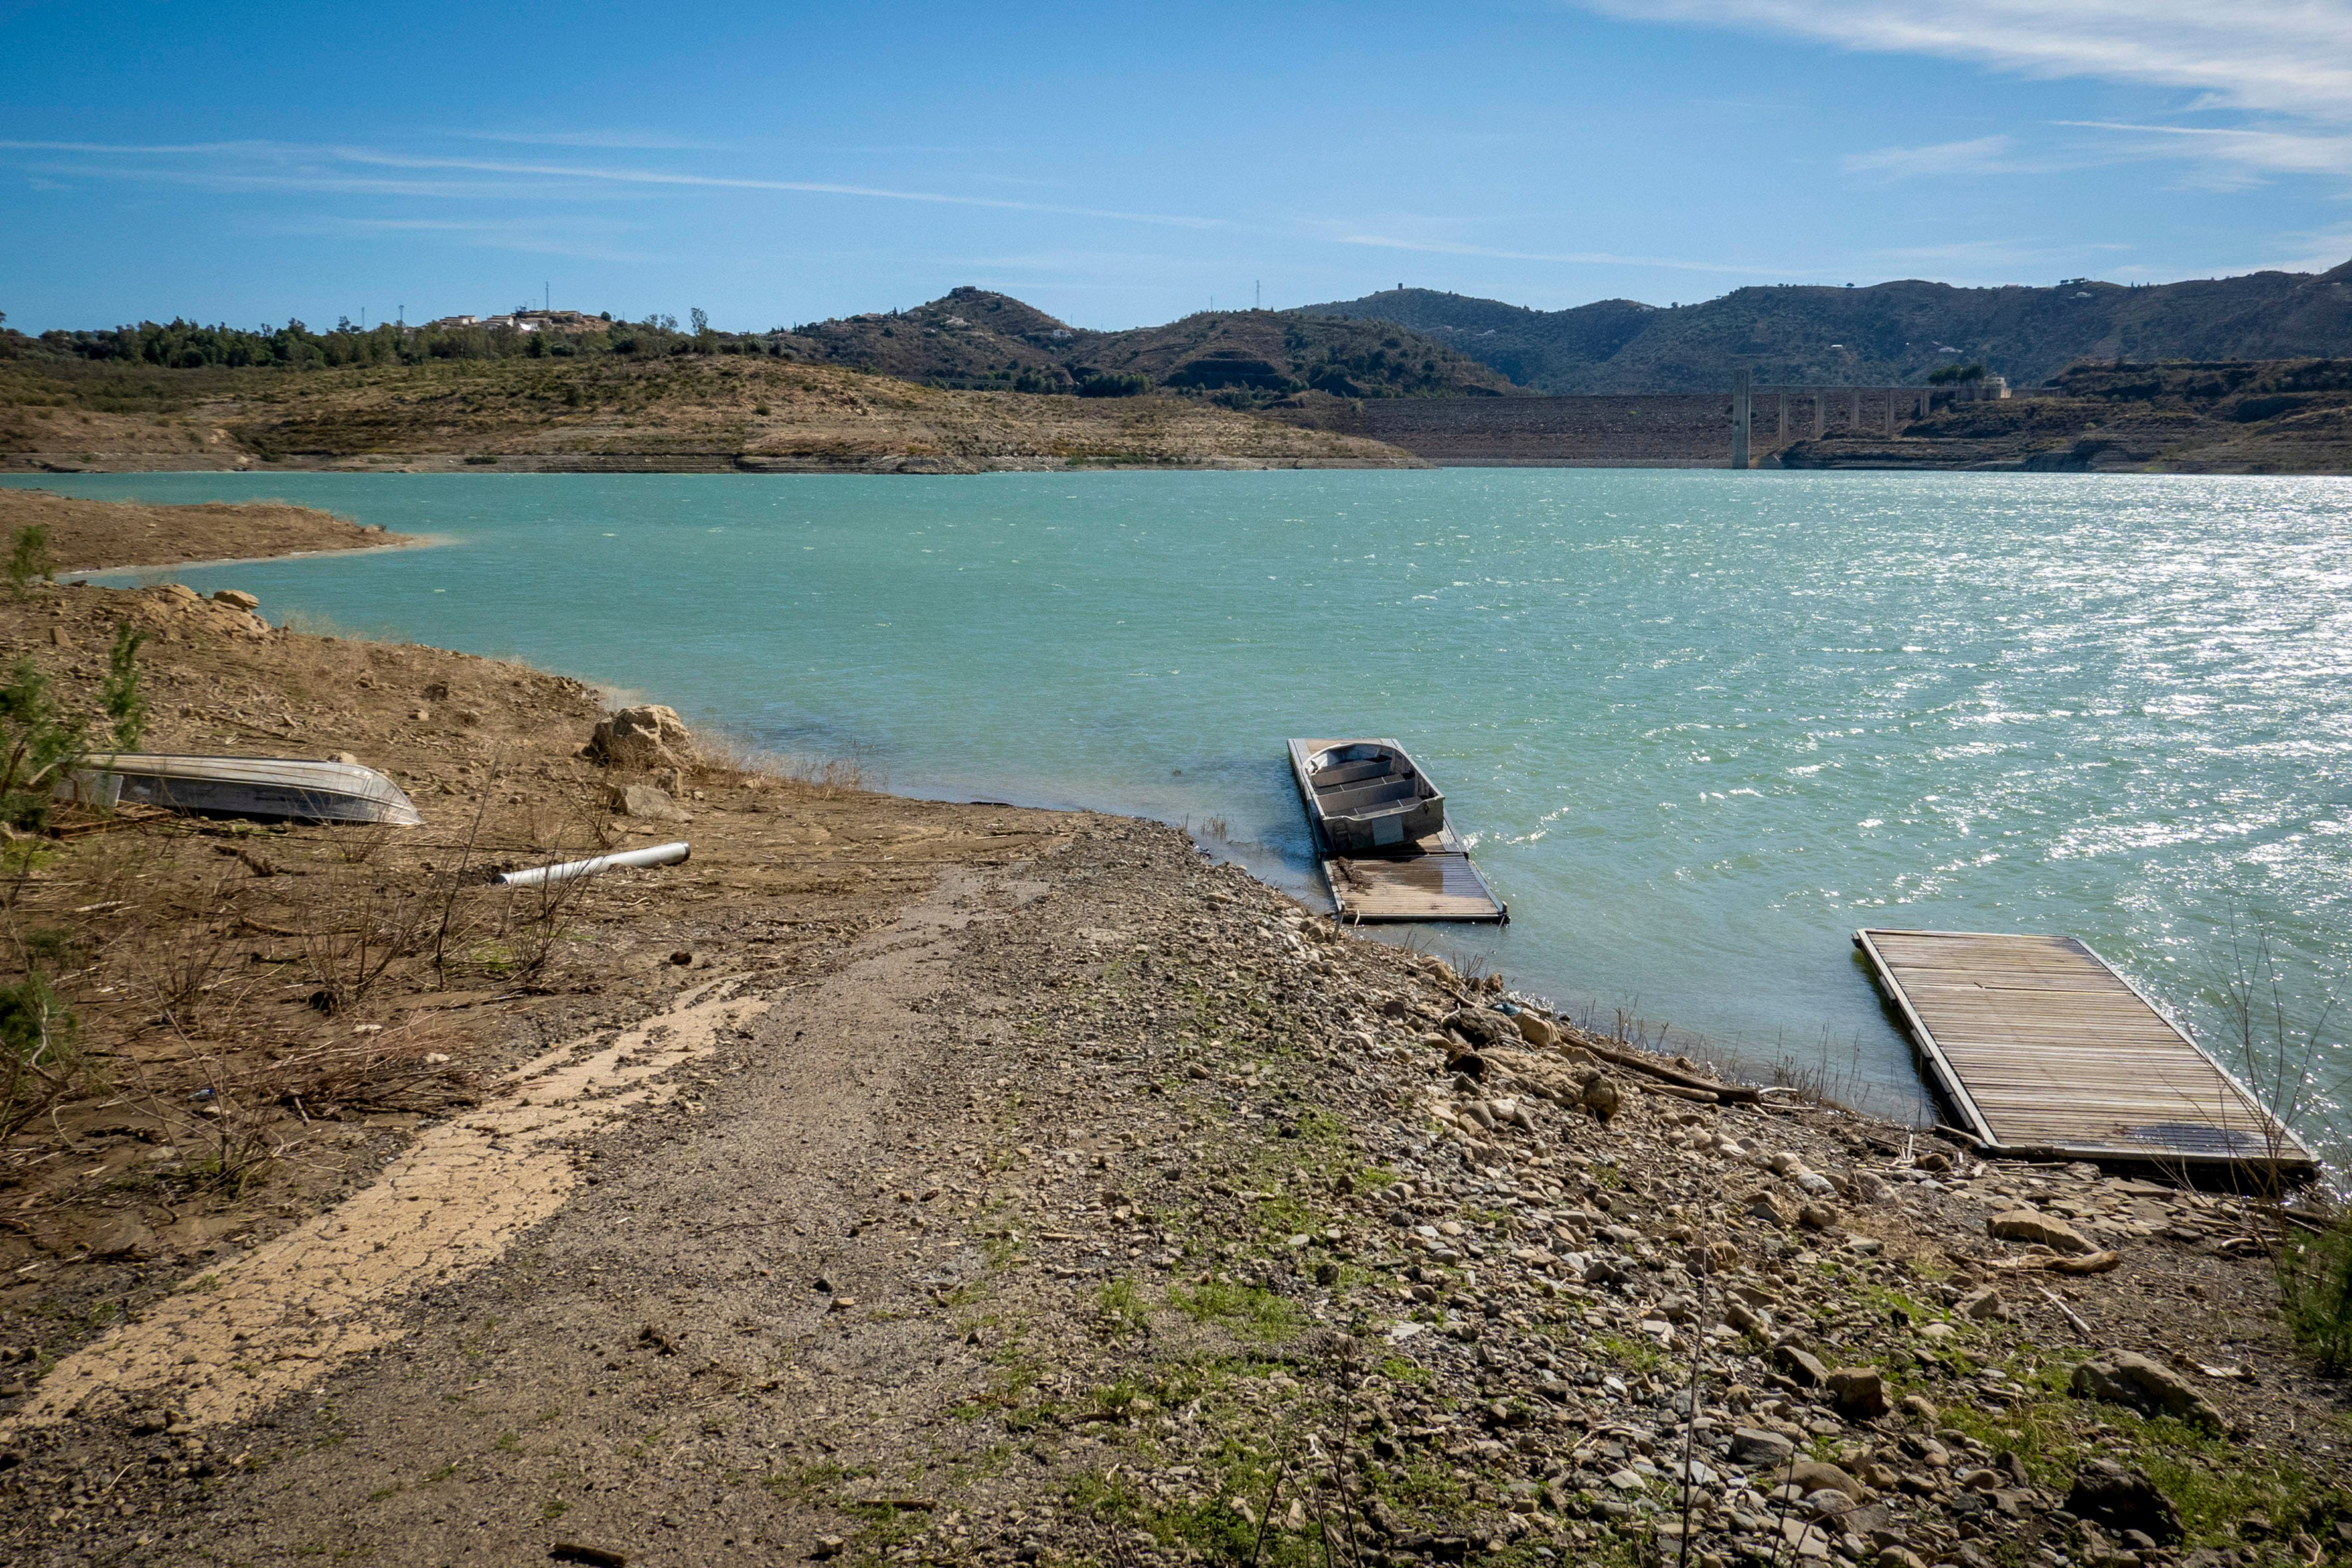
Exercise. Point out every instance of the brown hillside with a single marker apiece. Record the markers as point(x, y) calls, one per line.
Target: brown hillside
point(685, 412)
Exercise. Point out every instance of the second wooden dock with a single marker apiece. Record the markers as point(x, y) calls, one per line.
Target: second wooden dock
point(2042, 1050)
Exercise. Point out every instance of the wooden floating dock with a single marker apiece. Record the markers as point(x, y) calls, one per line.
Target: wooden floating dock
point(1430, 879)
point(2044, 1051)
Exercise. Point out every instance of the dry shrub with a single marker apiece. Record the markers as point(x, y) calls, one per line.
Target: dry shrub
point(414, 1068)
point(721, 754)
point(354, 928)
point(179, 958)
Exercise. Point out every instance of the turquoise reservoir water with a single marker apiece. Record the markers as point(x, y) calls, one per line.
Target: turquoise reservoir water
point(1700, 725)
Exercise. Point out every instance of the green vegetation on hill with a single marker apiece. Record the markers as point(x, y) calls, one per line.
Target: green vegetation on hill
point(970, 341)
point(1244, 358)
point(1890, 333)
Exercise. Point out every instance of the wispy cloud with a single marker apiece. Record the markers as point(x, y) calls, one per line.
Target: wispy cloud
point(2284, 66)
point(611, 140)
point(1983, 155)
point(2282, 56)
point(1574, 257)
point(328, 169)
point(2278, 152)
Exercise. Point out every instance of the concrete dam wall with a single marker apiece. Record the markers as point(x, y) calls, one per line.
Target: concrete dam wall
point(1650, 431)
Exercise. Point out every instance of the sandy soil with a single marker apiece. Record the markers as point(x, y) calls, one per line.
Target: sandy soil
point(97, 535)
point(914, 1182)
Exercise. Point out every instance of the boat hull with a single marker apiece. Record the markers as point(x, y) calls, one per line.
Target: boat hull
point(263, 789)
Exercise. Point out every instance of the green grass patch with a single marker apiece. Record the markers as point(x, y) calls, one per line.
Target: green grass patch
point(1248, 1310)
point(1121, 1308)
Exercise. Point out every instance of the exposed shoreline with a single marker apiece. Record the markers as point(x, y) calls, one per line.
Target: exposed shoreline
point(391, 541)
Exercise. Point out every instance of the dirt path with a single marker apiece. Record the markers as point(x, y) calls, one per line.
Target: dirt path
point(655, 1348)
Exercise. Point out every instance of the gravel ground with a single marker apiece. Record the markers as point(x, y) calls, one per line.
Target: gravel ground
point(1100, 1205)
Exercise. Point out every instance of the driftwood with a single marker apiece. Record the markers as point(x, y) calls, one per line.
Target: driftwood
point(2092, 1263)
point(1698, 1096)
point(1725, 1094)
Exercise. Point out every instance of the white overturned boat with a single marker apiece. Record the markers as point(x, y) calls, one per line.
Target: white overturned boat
point(1365, 797)
point(268, 789)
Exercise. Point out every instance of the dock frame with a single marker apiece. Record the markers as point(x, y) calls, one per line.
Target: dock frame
point(2043, 1051)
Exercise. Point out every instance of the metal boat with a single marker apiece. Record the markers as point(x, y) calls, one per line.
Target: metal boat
point(1365, 797)
point(266, 789)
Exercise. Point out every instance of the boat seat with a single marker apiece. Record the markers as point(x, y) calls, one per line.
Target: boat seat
point(1350, 772)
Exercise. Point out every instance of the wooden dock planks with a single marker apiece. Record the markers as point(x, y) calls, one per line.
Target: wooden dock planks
point(1432, 880)
point(2041, 1046)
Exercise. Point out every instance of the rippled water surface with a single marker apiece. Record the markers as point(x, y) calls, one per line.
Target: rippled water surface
point(1700, 725)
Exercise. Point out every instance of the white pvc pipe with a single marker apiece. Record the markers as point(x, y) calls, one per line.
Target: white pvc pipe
point(658, 854)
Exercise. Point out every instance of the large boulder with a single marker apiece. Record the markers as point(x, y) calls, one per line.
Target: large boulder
point(643, 738)
point(2124, 1377)
point(2121, 1500)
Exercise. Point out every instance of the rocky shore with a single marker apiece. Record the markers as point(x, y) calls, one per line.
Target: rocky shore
point(905, 1181)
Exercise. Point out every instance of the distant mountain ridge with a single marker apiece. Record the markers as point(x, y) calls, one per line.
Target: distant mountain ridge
point(1888, 332)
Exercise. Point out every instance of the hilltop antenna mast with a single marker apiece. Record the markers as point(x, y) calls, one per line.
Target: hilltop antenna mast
point(1258, 295)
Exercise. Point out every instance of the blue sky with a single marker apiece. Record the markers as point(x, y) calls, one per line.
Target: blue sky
point(1120, 166)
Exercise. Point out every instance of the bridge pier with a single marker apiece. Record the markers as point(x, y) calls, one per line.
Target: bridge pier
point(1743, 388)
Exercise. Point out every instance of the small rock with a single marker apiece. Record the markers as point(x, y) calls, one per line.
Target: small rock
point(1937, 1333)
point(2124, 1377)
point(2033, 1227)
point(1802, 1366)
point(1818, 1216)
point(1535, 1031)
point(1813, 1476)
point(60, 637)
point(1752, 1446)
point(645, 801)
point(124, 1238)
point(1982, 1305)
point(1934, 1160)
point(589, 1556)
point(1859, 1393)
point(1477, 1026)
point(1772, 1208)
point(1919, 1411)
point(1601, 1097)
point(2122, 1499)
point(237, 598)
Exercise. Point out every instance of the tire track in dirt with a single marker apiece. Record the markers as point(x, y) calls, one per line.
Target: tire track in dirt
point(230, 1342)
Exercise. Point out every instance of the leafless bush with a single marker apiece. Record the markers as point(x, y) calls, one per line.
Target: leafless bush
point(404, 1069)
point(355, 930)
point(180, 957)
point(721, 753)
